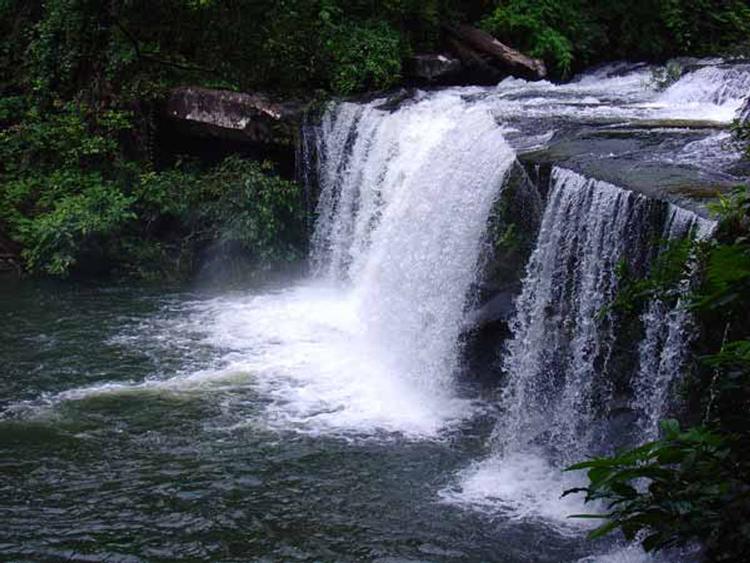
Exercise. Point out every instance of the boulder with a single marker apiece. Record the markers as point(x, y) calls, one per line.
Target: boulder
point(234, 116)
point(432, 67)
point(479, 50)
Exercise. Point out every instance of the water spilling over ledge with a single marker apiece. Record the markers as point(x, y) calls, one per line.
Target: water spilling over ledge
point(340, 416)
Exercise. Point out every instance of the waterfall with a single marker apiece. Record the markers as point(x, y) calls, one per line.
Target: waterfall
point(561, 384)
point(668, 330)
point(557, 359)
point(565, 365)
point(404, 201)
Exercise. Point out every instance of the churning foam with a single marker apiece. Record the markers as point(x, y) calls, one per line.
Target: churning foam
point(521, 486)
point(306, 350)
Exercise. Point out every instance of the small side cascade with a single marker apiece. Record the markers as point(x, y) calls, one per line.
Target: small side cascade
point(572, 372)
point(669, 331)
point(559, 363)
point(557, 359)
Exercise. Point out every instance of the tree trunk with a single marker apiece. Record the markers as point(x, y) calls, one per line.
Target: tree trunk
point(470, 42)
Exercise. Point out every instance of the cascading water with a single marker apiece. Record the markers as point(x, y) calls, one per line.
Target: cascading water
point(560, 381)
point(562, 391)
point(669, 331)
point(575, 382)
point(404, 202)
point(246, 426)
point(557, 359)
point(725, 88)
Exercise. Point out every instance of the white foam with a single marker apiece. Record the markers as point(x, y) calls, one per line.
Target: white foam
point(631, 553)
point(522, 486)
point(306, 350)
point(711, 93)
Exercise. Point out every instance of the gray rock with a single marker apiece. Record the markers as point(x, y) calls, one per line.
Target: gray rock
point(641, 157)
point(432, 67)
point(499, 308)
point(234, 116)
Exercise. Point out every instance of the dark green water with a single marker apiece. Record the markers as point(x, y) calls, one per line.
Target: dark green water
point(95, 465)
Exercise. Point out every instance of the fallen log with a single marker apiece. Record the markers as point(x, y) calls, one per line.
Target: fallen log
point(471, 43)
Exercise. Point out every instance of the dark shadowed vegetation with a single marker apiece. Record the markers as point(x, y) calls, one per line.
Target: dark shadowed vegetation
point(81, 82)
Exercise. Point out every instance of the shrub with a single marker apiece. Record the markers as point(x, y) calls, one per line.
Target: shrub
point(71, 199)
point(54, 241)
point(558, 32)
point(363, 56)
point(695, 491)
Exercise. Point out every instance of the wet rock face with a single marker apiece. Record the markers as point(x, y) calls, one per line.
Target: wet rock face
point(510, 239)
point(234, 116)
point(634, 156)
point(511, 234)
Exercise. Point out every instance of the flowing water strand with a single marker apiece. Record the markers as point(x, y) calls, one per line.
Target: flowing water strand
point(337, 134)
point(669, 331)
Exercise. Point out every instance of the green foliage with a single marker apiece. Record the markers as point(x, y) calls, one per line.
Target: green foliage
point(364, 57)
point(238, 203)
point(694, 491)
point(57, 178)
point(670, 267)
point(80, 82)
point(727, 277)
point(239, 207)
point(55, 240)
point(134, 49)
point(69, 195)
point(705, 26)
point(570, 34)
point(734, 211)
point(552, 30)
